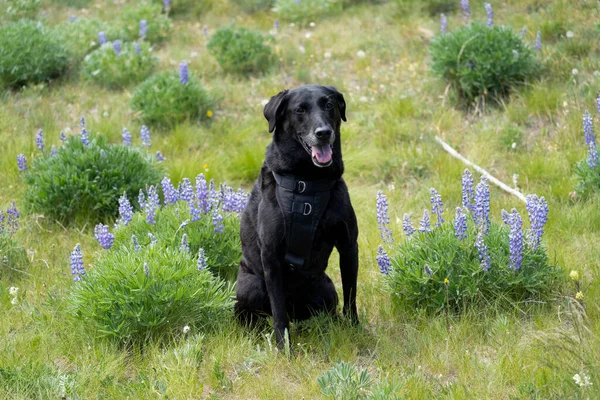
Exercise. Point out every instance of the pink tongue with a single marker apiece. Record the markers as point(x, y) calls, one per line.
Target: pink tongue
point(322, 153)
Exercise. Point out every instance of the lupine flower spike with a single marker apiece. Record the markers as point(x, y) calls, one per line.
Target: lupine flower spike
point(538, 41)
point(22, 163)
point(202, 194)
point(39, 140)
point(185, 246)
point(482, 250)
point(383, 218)
point(490, 14)
point(443, 24)
point(437, 207)
point(103, 236)
point(460, 224)
point(482, 204)
point(146, 269)
point(117, 47)
point(125, 210)
point(159, 157)
point(53, 151)
point(218, 221)
point(143, 29)
point(468, 194)
point(183, 73)
point(537, 210)
point(425, 224)
point(85, 137)
point(136, 244)
point(169, 192)
point(63, 137)
point(590, 140)
point(138, 48)
point(151, 205)
point(145, 134)
point(202, 263)
point(466, 8)
point(515, 238)
point(126, 137)
point(186, 190)
point(76, 264)
point(12, 220)
point(101, 38)
point(383, 260)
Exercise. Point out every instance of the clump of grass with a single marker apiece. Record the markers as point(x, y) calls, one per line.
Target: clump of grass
point(158, 24)
point(306, 11)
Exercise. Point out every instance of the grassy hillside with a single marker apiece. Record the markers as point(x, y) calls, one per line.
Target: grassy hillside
point(376, 54)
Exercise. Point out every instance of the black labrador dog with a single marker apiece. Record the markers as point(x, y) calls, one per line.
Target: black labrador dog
point(299, 209)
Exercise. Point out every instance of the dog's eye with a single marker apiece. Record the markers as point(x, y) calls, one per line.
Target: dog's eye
point(299, 110)
point(329, 105)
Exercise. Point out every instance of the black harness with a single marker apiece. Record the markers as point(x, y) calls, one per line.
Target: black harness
point(303, 204)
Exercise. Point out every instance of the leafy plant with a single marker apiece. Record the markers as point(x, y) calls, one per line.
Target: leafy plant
point(133, 63)
point(306, 11)
point(80, 35)
point(241, 51)
point(149, 294)
point(158, 24)
point(82, 183)
point(251, 6)
point(483, 62)
point(19, 9)
point(345, 382)
point(29, 53)
point(164, 100)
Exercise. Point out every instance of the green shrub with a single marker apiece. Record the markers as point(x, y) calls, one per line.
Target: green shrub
point(83, 183)
point(133, 297)
point(222, 249)
point(12, 255)
point(482, 62)
point(241, 51)
point(29, 53)
point(307, 11)
point(163, 100)
point(104, 67)
point(345, 382)
point(252, 6)
point(19, 9)
point(158, 23)
point(437, 269)
point(80, 35)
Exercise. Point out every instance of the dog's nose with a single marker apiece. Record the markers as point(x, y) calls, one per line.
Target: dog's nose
point(323, 132)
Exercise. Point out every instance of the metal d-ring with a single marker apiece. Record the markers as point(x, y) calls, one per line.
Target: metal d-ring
point(309, 206)
point(301, 186)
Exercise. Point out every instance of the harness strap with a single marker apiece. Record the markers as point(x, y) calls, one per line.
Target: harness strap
point(303, 204)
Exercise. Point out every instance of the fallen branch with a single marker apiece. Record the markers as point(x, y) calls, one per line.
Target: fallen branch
point(482, 171)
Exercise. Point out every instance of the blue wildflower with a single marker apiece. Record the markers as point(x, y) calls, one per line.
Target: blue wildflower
point(101, 38)
point(76, 263)
point(82, 123)
point(125, 210)
point(136, 244)
point(143, 28)
point(218, 221)
point(145, 134)
point(407, 225)
point(141, 199)
point(202, 194)
point(427, 270)
point(12, 219)
point(443, 24)
point(490, 14)
point(22, 163)
point(39, 140)
point(159, 157)
point(186, 190)
point(515, 238)
point(146, 269)
point(482, 204)
point(538, 41)
point(167, 5)
point(425, 224)
point(482, 250)
point(537, 210)
point(202, 262)
point(276, 25)
point(466, 8)
point(382, 218)
point(185, 246)
point(383, 260)
point(151, 205)
point(103, 236)
point(468, 194)
point(169, 192)
point(117, 47)
point(126, 137)
point(153, 239)
point(460, 224)
point(183, 73)
point(437, 207)
point(85, 137)
point(590, 140)
point(138, 48)
point(53, 151)
point(63, 137)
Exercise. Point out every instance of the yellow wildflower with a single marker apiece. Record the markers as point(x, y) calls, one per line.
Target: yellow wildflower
point(574, 275)
point(205, 166)
point(209, 113)
point(579, 296)
point(446, 281)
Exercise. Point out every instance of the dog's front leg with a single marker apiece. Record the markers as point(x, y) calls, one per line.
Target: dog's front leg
point(347, 247)
point(274, 283)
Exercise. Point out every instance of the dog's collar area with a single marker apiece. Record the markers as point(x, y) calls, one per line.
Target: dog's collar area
point(302, 203)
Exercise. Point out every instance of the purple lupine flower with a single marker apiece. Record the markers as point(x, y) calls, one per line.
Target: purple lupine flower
point(538, 41)
point(126, 137)
point(72, 18)
point(151, 205)
point(39, 140)
point(76, 263)
point(63, 137)
point(169, 192)
point(490, 14)
point(101, 38)
point(466, 8)
point(437, 207)
point(537, 209)
point(143, 28)
point(145, 134)
point(523, 32)
point(183, 73)
point(103, 236)
point(82, 123)
point(185, 246)
point(382, 218)
point(85, 137)
point(153, 239)
point(146, 269)
point(186, 190)
point(2, 218)
point(427, 270)
point(202, 262)
point(136, 244)
point(598, 103)
point(515, 239)
point(468, 194)
point(117, 47)
point(590, 139)
point(218, 221)
point(425, 224)
point(166, 5)
point(383, 260)
point(460, 224)
point(276, 25)
point(407, 225)
point(12, 219)
point(22, 163)
point(443, 24)
point(482, 250)
point(53, 151)
point(159, 157)
point(125, 210)
point(205, 31)
point(228, 199)
point(141, 199)
point(506, 217)
point(214, 196)
point(202, 194)
point(482, 204)
point(138, 48)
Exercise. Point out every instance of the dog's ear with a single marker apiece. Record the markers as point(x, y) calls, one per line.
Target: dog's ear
point(341, 103)
point(274, 109)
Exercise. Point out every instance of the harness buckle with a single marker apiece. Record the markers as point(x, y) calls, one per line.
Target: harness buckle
point(307, 209)
point(301, 186)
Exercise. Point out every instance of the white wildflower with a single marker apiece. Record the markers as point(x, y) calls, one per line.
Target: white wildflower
point(186, 329)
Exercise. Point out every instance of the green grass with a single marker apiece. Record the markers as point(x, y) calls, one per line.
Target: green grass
point(395, 108)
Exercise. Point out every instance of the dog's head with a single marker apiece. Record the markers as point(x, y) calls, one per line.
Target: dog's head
point(307, 123)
